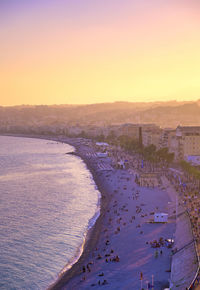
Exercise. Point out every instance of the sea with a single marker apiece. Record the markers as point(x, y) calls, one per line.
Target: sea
point(48, 202)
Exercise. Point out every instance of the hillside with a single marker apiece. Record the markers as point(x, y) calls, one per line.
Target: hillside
point(165, 114)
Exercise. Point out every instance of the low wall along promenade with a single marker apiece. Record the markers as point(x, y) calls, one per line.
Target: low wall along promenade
point(185, 263)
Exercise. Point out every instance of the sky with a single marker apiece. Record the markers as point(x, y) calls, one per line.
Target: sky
point(95, 51)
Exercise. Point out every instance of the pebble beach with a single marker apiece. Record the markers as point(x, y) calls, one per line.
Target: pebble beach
point(118, 253)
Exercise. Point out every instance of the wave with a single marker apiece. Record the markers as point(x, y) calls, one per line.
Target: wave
point(86, 234)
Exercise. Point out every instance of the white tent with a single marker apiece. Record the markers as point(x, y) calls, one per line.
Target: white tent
point(160, 217)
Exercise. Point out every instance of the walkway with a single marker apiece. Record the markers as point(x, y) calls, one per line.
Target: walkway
point(184, 261)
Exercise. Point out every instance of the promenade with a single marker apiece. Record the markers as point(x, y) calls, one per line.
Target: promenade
point(184, 258)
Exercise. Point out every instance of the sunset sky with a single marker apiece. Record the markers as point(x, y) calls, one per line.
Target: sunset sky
point(89, 51)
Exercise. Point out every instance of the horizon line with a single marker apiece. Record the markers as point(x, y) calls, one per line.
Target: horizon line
point(99, 103)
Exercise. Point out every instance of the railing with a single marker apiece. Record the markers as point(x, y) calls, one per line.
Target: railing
point(195, 280)
point(193, 283)
point(188, 244)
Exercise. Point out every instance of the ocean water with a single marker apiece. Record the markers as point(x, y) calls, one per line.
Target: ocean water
point(48, 200)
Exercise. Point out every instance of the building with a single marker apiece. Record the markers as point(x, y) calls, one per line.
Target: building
point(131, 130)
point(166, 137)
point(151, 136)
point(127, 129)
point(189, 141)
point(174, 146)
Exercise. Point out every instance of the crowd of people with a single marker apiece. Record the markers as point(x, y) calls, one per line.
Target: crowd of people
point(189, 197)
point(186, 186)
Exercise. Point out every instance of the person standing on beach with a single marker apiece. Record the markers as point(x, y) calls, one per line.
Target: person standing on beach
point(156, 254)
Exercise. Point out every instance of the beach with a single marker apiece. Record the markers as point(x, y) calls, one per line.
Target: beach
point(126, 249)
point(118, 253)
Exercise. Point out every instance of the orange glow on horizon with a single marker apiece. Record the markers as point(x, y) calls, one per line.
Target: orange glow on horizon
point(139, 53)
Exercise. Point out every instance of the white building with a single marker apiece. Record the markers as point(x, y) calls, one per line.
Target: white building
point(151, 137)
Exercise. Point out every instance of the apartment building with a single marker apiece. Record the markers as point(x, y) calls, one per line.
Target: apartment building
point(189, 141)
point(130, 129)
point(174, 146)
point(151, 136)
point(166, 137)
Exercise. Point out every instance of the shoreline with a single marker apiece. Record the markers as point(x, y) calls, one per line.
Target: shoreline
point(95, 236)
point(93, 233)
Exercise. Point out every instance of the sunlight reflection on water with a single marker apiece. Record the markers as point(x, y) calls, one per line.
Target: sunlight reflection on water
point(47, 200)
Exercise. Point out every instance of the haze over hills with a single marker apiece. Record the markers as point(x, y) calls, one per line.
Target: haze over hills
point(165, 114)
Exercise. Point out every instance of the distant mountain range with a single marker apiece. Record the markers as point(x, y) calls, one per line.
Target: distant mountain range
point(165, 114)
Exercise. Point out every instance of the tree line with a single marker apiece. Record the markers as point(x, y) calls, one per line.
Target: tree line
point(133, 145)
